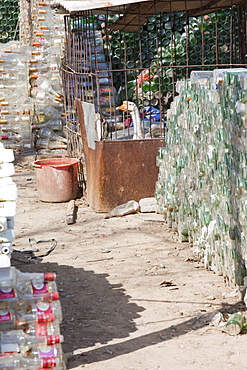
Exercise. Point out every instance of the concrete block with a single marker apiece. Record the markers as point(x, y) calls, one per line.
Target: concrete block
point(148, 205)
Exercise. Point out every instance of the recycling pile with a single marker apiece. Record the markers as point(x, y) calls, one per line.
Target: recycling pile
point(30, 310)
point(8, 195)
point(9, 13)
point(31, 111)
point(202, 183)
point(30, 315)
point(167, 40)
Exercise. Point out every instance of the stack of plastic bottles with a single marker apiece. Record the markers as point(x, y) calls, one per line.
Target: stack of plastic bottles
point(30, 315)
point(30, 83)
point(202, 183)
point(16, 107)
point(8, 196)
point(46, 84)
point(30, 310)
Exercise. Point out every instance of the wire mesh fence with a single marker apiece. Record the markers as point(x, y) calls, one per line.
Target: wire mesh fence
point(128, 68)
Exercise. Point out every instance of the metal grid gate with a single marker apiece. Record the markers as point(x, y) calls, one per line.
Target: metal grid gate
point(127, 61)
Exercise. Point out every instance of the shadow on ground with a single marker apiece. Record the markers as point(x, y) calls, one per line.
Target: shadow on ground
point(95, 311)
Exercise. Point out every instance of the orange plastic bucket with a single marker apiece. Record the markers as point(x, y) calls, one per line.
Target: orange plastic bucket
point(56, 179)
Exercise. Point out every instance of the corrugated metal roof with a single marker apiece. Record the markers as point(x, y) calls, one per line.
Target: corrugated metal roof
point(137, 12)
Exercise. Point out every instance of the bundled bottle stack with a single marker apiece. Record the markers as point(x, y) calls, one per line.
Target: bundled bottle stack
point(30, 83)
point(105, 102)
point(8, 196)
point(47, 41)
point(9, 13)
point(30, 315)
point(16, 107)
point(201, 187)
point(30, 310)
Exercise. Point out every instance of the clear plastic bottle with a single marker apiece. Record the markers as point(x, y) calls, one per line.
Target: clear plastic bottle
point(51, 354)
point(16, 137)
point(55, 125)
point(18, 129)
point(22, 145)
point(11, 361)
point(49, 144)
point(19, 341)
point(40, 312)
point(46, 133)
point(43, 329)
point(30, 287)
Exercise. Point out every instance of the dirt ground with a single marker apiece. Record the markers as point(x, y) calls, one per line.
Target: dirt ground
point(132, 296)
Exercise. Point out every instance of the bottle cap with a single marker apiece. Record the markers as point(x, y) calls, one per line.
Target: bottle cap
point(49, 362)
point(55, 296)
point(49, 276)
point(53, 339)
point(50, 296)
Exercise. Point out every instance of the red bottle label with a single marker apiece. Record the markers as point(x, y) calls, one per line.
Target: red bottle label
point(48, 354)
point(7, 293)
point(40, 288)
point(42, 329)
point(45, 312)
point(5, 315)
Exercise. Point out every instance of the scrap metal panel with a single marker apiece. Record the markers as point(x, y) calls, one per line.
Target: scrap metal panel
point(119, 171)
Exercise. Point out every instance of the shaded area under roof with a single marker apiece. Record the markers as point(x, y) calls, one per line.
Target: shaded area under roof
point(136, 13)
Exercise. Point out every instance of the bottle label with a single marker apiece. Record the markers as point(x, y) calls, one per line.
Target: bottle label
point(5, 315)
point(40, 288)
point(44, 312)
point(7, 293)
point(47, 352)
point(42, 330)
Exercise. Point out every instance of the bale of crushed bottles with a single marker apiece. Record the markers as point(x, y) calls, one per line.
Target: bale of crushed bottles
point(31, 95)
point(202, 183)
point(30, 313)
point(30, 310)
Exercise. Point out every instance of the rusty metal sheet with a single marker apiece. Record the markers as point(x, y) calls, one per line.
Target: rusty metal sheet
point(119, 171)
